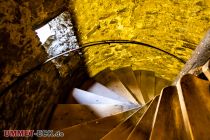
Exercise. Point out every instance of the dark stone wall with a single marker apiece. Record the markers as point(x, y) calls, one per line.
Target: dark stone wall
point(27, 100)
point(20, 49)
point(44, 10)
point(24, 105)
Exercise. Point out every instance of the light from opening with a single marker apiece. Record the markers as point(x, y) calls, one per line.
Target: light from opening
point(44, 32)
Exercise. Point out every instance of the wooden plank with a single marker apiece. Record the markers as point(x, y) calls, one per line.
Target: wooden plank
point(66, 115)
point(194, 96)
point(147, 84)
point(104, 110)
point(127, 77)
point(206, 70)
point(160, 83)
point(168, 123)
point(138, 79)
point(199, 57)
point(111, 81)
point(143, 129)
point(84, 97)
point(97, 88)
point(122, 131)
point(138, 76)
point(96, 129)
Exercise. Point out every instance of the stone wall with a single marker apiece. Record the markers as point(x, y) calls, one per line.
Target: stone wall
point(20, 49)
point(43, 11)
point(26, 100)
point(175, 26)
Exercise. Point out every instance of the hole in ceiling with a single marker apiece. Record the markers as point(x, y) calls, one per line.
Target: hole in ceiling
point(44, 33)
point(58, 36)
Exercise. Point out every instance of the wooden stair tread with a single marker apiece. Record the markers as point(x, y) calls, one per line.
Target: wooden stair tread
point(206, 70)
point(146, 82)
point(96, 129)
point(160, 83)
point(97, 88)
point(66, 115)
point(143, 128)
point(84, 97)
point(127, 77)
point(168, 123)
point(138, 79)
point(123, 130)
point(104, 110)
point(111, 81)
point(194, 95)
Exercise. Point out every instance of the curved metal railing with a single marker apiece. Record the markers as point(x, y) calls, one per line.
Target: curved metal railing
point(115, 42)
point(86, 45)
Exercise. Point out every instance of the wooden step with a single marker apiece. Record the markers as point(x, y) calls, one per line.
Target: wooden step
point(122, 131)
point(160, 83)
point(206, 70)
point(97, 88)
point(127, 77)
point(104, 110)
point(66, 115)
point(84, 97)
point(138, 79)
point(146, 82)
point(111, 81)
point(168, 123)
point(96, 129)
point(194, 96)
point(143, 129)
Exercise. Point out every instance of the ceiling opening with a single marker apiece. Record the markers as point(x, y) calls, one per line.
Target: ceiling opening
point(58, 36)
point(44, 32)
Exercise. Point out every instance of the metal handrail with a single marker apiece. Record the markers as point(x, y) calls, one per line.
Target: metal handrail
point(114, 42)
point(86, 45)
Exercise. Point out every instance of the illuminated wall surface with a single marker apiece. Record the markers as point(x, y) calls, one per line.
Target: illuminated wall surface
point(175, 26)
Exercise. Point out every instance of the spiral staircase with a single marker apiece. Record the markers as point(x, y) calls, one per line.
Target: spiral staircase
point(124, 104)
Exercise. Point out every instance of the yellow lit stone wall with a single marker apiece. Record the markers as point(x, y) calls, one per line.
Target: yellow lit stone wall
point(175, 26)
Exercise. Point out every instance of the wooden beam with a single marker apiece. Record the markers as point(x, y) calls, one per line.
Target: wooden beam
point(199, 57)
point(96, 129)
point(168, 123)
point(144, 127)
point(206, 70)
point(127, 77)
point(122, 131)
point(194, 97)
